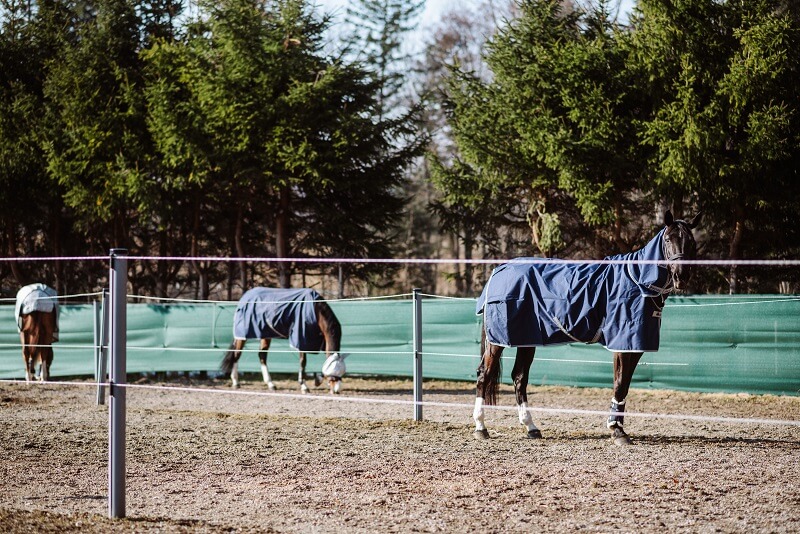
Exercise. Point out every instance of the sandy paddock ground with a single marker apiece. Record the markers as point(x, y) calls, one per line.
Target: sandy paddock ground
point(210, 461)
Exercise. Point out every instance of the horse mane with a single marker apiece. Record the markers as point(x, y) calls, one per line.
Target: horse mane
point(329, 324)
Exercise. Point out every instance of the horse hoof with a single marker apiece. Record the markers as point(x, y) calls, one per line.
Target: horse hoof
point(481, 434)
point(534, 434)
point(304, 389)
point(622, 441)
point(271, 386)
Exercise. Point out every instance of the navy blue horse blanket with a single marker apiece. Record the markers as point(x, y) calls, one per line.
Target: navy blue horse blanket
point(617, 305)
point(267, 313)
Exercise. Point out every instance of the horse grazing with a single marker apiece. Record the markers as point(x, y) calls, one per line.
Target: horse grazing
point(294, 314)
point(36, 312)
point(528, 305)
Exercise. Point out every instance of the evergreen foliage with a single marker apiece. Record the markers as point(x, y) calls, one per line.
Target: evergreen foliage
point(228, 130)
point(691, 106)
point(380, 42)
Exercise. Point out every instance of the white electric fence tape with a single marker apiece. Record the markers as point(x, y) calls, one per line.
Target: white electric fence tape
point(452, 405)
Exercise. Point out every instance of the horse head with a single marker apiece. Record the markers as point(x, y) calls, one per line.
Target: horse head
point(679, 244)
point(334, 368)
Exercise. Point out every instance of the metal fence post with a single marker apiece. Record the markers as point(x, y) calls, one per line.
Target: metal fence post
point(101, 340)
point(118, 282)
point(417, 315)
point(98, 349)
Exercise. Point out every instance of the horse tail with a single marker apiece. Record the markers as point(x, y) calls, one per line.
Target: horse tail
point(38, 328)
point(491, 367)
point(229, 359)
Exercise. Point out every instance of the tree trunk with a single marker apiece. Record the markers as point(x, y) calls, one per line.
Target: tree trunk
point(677, 207)
point(469, 241)
point(282, 235)
point(55, 232)
point(11, 250)
point(237, 237)
point(341, 281)
point(199, 267)
point(735, 250)
point(162, 268)
point(618, 228)
point(120, 231)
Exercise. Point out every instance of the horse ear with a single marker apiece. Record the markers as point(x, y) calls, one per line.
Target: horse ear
point(696, 220)
point(668, 219)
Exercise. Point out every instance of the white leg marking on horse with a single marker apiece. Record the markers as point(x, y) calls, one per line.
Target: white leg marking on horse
point(235, 375)
point(267, 379)
point(477, 414)
point(525, 417)
point(337, 386)
point(303, 387)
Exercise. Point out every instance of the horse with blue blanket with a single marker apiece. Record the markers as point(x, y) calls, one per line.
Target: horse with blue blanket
point(529, 303)
point(298, 315)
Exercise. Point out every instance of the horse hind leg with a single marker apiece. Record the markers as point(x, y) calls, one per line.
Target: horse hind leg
point(486, 386)
point(48, 327)
point(522, 366)
point(262, 357)
point(230, 362)
point(47, 360)
point(28, 354)
point(301, 374)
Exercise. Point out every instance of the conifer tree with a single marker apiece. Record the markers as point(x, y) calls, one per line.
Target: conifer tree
point(382, 28)
point(249, 112)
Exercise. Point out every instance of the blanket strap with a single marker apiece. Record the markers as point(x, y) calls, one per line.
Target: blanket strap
point(594, 339)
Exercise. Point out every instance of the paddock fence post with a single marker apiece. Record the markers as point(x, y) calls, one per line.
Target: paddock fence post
point(417, 317)
point(101, 346)
point(118, 282)
point(96, 311)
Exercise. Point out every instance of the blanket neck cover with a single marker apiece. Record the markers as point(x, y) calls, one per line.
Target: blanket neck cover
point(616, 305)
point(267, 313)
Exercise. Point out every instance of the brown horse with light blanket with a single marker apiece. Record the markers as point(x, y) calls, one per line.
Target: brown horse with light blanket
point(36, 312)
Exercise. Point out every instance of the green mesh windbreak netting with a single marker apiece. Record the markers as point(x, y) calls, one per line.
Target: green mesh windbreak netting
point(708, 343)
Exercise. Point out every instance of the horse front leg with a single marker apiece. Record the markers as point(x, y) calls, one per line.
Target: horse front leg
point(262, 358)
point(301, 376)
point(47, 359)
point(27, 358)
point(486, 386)
point(624, 366)
point(50, 326)
point(522, 367)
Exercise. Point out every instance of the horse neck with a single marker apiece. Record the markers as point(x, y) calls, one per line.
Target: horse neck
point(330, 327)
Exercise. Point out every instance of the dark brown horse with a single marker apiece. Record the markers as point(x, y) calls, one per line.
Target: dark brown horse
point(298, 315)
point(527, 304)
point(37, 321)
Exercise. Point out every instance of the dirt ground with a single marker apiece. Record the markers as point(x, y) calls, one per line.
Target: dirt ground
point(206, 460)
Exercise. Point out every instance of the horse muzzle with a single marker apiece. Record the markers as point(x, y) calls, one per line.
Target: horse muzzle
point(680, 282)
